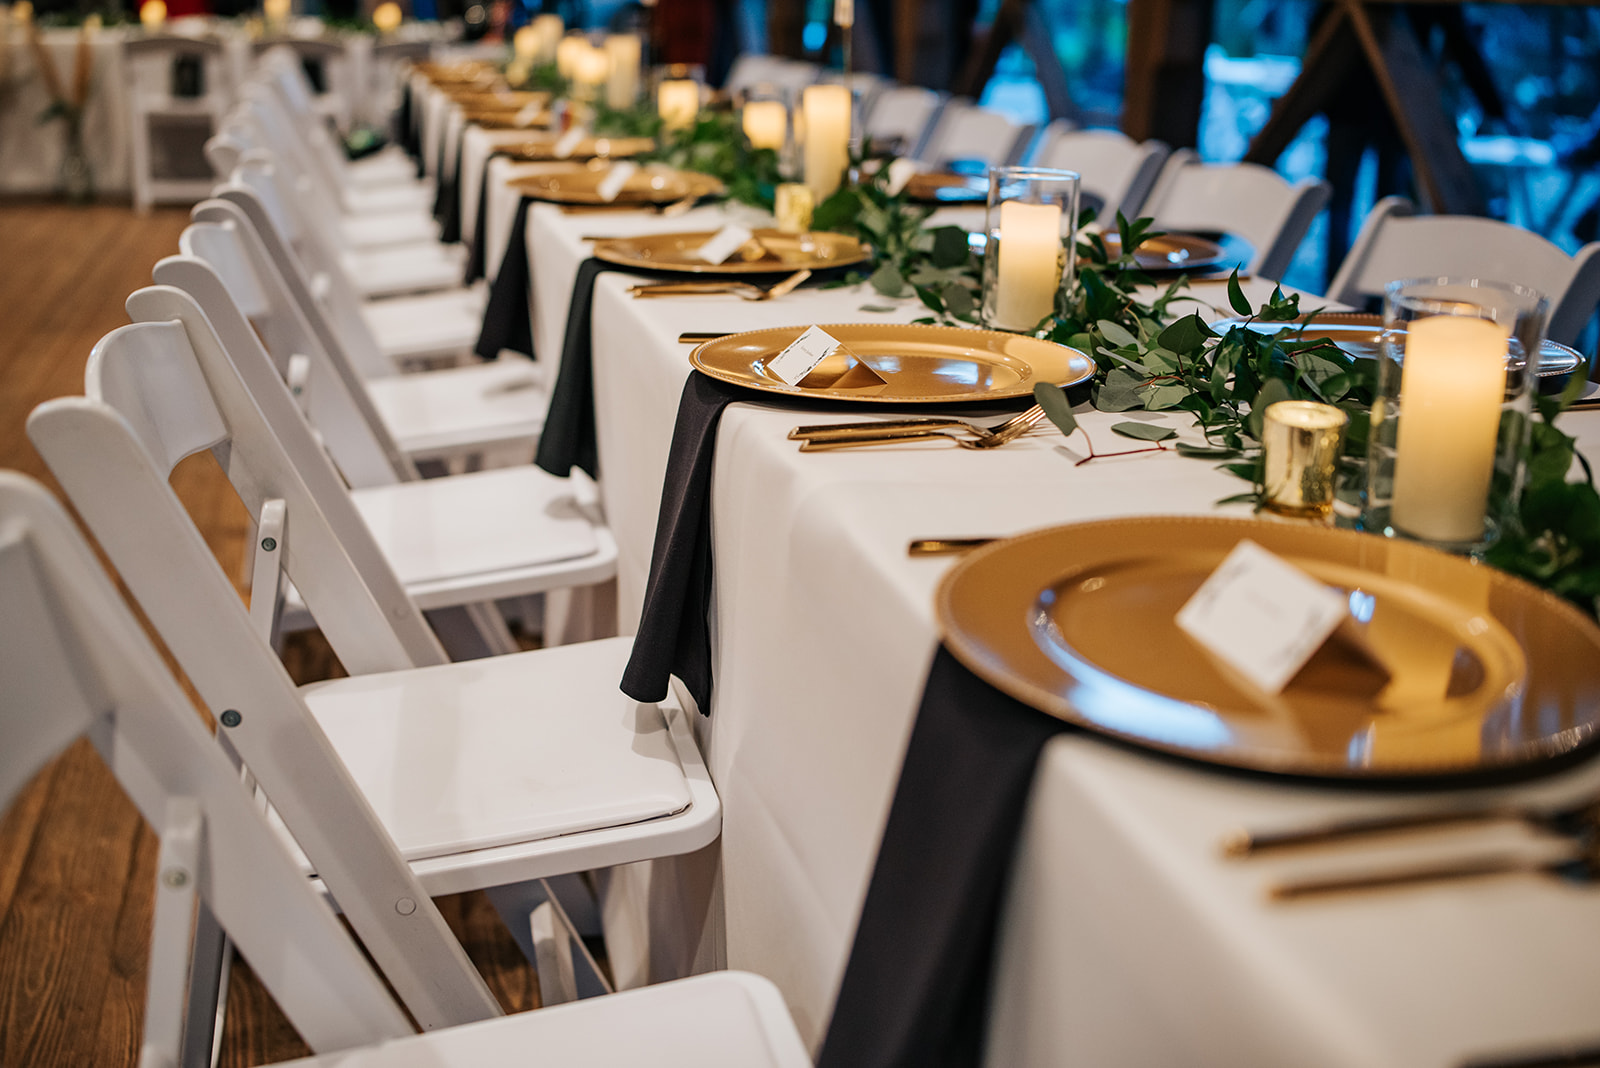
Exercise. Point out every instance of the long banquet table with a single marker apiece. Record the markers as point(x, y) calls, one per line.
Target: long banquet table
point(1126, 938)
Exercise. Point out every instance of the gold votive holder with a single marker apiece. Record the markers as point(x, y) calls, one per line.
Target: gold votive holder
point(1300, 443)
point(792, 204)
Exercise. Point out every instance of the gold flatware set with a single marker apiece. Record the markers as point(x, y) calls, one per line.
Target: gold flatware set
point(967, 435)
point(743, 290)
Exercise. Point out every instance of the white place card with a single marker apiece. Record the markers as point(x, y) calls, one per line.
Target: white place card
point(528, 115)
point(615, 179)
point(569, 142)
point(1262, 616)
point(803, 355)
point(724, 243)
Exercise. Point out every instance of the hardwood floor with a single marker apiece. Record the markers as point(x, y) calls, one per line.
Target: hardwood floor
point(76, 860)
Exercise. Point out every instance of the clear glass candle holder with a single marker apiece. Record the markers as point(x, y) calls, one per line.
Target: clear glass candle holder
point(1030, 222)
point(1448, 442)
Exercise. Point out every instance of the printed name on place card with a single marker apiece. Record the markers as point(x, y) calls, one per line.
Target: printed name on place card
point(569, 142)
point(615, 179)
point(1262, 616)
point(803, 355)
point(528, 115)
point(724, 243)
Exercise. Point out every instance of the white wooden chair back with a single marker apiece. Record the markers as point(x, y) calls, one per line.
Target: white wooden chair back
point(152, 400)
point(1246, 199)
point(223, 152)
point(283, 60)
point(1117, 170)
point(309, 182)
point(1395, 243)
point(391, 64)
point(966, 131)
point(752, 69)
point(330, 393)
point(903, 113)
point(72, 662)
point(166, 130)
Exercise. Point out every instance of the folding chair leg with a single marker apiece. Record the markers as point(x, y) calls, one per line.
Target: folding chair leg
point(552, 957)
point(471, 632)
point(210, 957)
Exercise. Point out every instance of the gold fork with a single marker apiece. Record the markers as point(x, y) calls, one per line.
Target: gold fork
point(744, 290)
point(966, 435)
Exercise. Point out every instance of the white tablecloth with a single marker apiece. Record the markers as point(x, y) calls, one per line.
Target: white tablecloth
point(31, 151)
point(1127, 939)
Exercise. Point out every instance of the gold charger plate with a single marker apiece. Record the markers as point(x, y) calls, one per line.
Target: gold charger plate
point(918, 364)
point(542, 149)
point(768, 251)
point(1360, 334)
point(579, 183)
point(1169, 252)
point(1486, 672)
point(942, 187)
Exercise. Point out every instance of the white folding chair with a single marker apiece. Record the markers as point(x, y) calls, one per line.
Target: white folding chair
point(177, 91)
point(446, 414)
point(751, 69)
point(1116, 170)
point(460, 542)
point(1395, 243)
point(966, 131)
point(390, 66)
point(903, 115)
point(73, 662)
point(330, 100)
point(1245, 199)
point(487, 774)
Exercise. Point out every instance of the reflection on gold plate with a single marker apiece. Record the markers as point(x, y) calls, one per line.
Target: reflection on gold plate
point(910, 364)
point(501, 100)
point(1360, 334)
point(941, 187)
point(578, 183)
point(510, 119)
point(542, 148)
point(766, 251)
point(470, 72)
point(1480, 671)
point(1169, 252)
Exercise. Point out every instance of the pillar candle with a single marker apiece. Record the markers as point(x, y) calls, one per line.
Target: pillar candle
point(568, 49)
point(678, 101)
point(827, 151)
point(622, 88)
point(153, 14)
point(1452, 384)
point(765, 123)
point(524, 43)
point(547, 31)
point(1029, 272)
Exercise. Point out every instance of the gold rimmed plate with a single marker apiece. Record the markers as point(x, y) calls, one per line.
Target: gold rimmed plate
point(912, 364)
point(1170, 252)
point(578, 183)
point(1455, 669)
point(767, 251)
point(1361, 334)
point(542, 148)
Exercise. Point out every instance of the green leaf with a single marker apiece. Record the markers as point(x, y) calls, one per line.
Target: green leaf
point(1116, 334)
point(1204, 452)
point(1186, 335)
point(1272, 391)
point(1165, 396)
point(950, 248)
point(1053, 399)
point(878, 308)
point(1119, 391)
point(1236, 296)
point(958, 300)
point(1144, 431)
point(889, 281)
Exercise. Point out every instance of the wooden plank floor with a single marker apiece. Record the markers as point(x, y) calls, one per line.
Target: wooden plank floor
point(76, 860)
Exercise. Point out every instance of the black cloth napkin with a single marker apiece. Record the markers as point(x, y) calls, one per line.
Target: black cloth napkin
point(674, 636)
point(406, 126)
point(506, 324)
point(916, 989)
point(447, 202)
point(477, 252)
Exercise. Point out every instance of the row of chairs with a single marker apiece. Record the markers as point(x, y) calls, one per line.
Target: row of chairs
point(417, 775)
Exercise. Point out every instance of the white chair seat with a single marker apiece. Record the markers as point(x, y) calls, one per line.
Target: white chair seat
point(477, 406)
point(389, 166)
point(430, 324)
point(377, 199)
point(404, 269)
point(448, 530)
point(502, 750)
point(721, 1020)
point(387, 228)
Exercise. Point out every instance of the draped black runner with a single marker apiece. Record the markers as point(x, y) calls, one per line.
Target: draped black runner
point(674, 635)
point(447, 201)
point(916, 989)
point(477, 250)
point(569, 438)
point(506, 324)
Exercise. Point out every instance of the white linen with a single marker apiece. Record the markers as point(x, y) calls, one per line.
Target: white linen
point(31, 151)
point(1127, 939)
